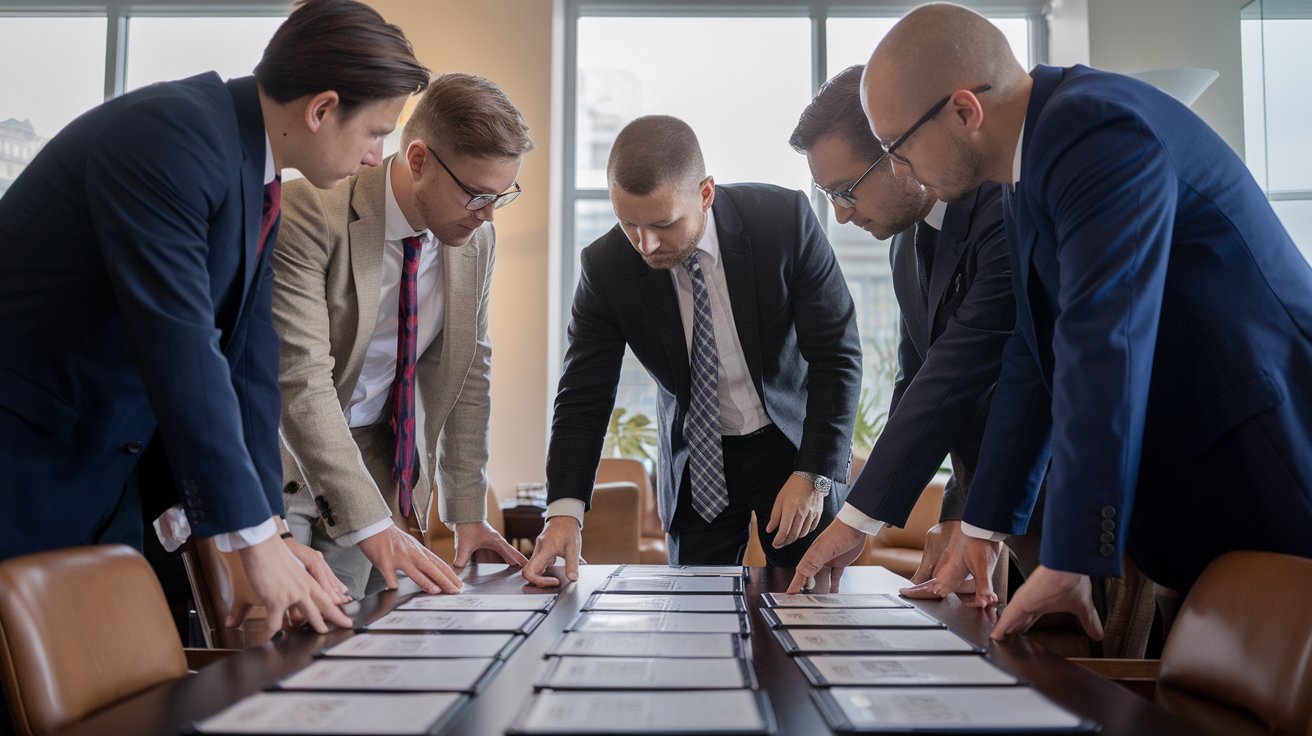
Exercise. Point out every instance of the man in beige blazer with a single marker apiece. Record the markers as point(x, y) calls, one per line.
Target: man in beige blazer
point(415, 231)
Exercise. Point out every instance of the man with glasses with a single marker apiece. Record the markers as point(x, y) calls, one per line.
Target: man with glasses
point(952, 279)
point(1163, 349)
point(381, 299)
point(731, 298)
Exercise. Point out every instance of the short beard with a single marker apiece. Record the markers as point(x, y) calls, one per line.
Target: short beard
point(667, 261)
point(965, 174)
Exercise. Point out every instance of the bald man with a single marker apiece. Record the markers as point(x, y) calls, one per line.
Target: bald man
point(1163, 350)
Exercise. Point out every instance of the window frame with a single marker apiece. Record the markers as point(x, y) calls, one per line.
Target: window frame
point(819, 12)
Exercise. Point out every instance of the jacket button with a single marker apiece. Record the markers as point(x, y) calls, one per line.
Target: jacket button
point(1108, 512)
point(291, 487)
point(134, 447)
point(1107, 538)
point(1107, 550)
point(1108, 525)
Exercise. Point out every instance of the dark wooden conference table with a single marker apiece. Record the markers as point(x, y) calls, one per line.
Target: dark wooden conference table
point(172, 708)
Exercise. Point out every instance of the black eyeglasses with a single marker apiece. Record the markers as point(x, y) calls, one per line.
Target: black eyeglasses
point(890, 149)
point(479, 201)
point(846, 198)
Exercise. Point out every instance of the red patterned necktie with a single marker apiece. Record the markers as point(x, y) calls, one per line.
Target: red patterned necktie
point(403, 388)
point(272, 203)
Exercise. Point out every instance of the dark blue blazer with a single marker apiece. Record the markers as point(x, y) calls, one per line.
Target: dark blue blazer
point(949, 355)
point(795, 319)
point(132, 306)
point(1163, 351)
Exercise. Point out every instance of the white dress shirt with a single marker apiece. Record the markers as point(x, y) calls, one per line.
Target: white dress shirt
point(741, 411)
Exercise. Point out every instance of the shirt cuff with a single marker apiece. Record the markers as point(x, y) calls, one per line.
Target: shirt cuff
point(853, 517)
point(248, 537)
point(571, 507)
point(971, 530)
point(356, 537)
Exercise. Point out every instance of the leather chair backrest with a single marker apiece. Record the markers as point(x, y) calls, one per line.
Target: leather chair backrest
point(628, 470)
point(610, 531)
point(1243, 641)
point(923, 516)
point(219, 588)
point(80, 629)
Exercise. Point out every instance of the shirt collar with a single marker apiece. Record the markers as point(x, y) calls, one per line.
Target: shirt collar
point(934, 218)
point(710, 242)
point(270, 171)
point(1015, 162)
point(395, 226)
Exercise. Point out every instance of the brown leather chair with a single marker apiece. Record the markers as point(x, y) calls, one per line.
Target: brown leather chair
point(651, 539)
point(219, 587)
point(80, 629)
point(1239, 655)
point(610, 532)
point(900, 548)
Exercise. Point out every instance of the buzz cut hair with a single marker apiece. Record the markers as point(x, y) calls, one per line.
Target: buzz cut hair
point(652, 151)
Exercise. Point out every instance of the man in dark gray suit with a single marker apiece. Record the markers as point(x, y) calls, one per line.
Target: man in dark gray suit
point(952, 280)
point(731, 298)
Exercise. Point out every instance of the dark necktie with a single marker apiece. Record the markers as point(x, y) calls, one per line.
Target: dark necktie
point(403, 387)
point(272, 203)
point(701, 427)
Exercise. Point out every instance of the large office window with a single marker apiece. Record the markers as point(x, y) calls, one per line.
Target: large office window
point(1276, 59)
point(59, 58)
point(740, 75)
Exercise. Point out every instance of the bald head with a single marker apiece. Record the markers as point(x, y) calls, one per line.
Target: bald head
point(934, 50)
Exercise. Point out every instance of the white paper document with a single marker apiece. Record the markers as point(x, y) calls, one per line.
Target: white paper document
point(736, 571)
point(832, 600)
point(422, 646)
point(717, 711)
point(390, 675)
point(507, 621)
point(476, 602)
point(685, 603)
point(855, 617)
point(671, 584)
point(941, 669)
point(635, 644)
point(337, 713)
point(660, 622)
point(623, 673)
point(1003, 709)
point(871, 641)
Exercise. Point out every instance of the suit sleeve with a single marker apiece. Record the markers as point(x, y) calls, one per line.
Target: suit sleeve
point(1113, 217)
point(948, 390)
point(155, 178)
point(464, 441)
point(314, 428)
point(586, 395)
point(827, 338)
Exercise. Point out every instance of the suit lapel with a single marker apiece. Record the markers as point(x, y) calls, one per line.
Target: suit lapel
point(906, 285)
point(459, 335)
point(250, 122)
point(365, 237)
point(663, 305)
point(950, 248)
point(739, 275)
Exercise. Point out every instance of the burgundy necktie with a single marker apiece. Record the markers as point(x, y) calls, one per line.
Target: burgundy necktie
point(272, 203)
point(403, 388)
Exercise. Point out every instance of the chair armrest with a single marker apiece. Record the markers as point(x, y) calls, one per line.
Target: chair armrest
point(1121, 669)
point(198, 658)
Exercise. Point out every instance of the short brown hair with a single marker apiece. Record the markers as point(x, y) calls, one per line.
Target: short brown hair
point(653, 150)
point(343, 46)
point(466, 114)
point(836, 110)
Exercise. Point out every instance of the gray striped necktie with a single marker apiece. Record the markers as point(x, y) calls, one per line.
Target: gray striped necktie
point(701, 428)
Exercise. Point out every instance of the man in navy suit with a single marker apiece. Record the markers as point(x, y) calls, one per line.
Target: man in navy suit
point(952, 278)
point(1163, 353)
point(733, 301)
point(135, 292)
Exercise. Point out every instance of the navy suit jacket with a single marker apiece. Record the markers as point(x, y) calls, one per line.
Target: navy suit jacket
point(949, 355)
point(1163, 351)
point(132, 300)
point(795, 320)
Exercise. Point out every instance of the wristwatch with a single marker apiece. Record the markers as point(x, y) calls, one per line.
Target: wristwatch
point(821, 484)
